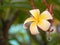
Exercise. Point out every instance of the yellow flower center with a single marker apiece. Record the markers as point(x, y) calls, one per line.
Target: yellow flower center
point(37, 20)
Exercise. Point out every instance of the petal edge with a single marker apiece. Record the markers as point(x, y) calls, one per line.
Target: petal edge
point(35, 13)
point(29, 20)
point(44, 25)
point(33, 29)
point(46, 15)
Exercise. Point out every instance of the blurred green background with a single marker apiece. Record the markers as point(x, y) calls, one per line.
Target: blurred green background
point(15, 12)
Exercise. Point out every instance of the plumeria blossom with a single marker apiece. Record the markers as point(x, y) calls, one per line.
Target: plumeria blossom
point(38, 20)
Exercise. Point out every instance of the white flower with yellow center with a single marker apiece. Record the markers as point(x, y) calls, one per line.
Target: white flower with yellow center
point(40, 20)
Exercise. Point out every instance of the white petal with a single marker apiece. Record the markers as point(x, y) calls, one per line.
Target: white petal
point(44, 25)
point(35, 12)
point(33, 28)
point(26, 21)
point(29, 20)
point(46, 15)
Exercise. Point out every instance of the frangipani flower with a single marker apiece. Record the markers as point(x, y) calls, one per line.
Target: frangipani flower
point(38, 20)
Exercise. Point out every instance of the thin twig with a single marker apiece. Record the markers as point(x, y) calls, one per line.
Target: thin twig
point(50, 9)
point(32, 4)
point(46, 4)
point(1, 2)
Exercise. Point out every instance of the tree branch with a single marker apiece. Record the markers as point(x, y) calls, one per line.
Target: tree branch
point(49, 7)
point(1, 2)
point(46, 4)
point(32, 4)
point(8, 24)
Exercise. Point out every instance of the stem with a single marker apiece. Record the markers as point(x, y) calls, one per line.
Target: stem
point(1, 1)
point(32, 4)
point(51, 8)
point(46, 4)
point(48, 34)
